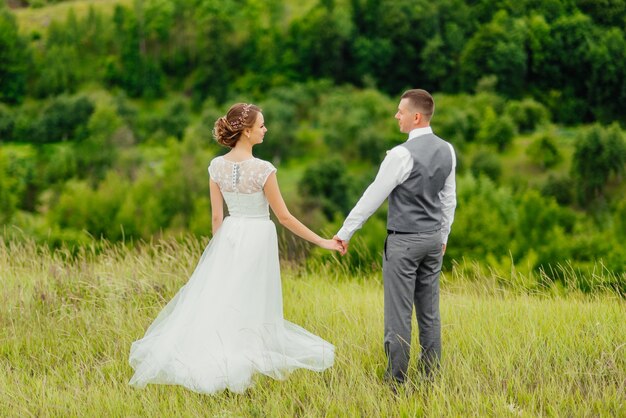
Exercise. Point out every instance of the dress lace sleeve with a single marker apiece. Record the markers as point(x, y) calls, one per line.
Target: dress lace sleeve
point(267, 169)
point(212, 170)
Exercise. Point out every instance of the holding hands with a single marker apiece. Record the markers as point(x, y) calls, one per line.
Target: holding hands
point(331, 244)
point(342, 243)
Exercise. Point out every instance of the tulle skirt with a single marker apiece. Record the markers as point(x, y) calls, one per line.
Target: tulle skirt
point(226, 323)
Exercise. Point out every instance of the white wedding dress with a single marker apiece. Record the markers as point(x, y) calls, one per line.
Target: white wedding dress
point(226, 323)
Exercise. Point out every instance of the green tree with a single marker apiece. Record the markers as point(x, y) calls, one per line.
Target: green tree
point(540, 224)
point(497, 48)
point(563, 48)
point(484, 223)
point(544, 151)
point(59, 70)
point(605, 12)
point(561, 188)
point(446, 25)
point(496, 130)
point(527, 114)
point(359, 123)
point(14, 59)
point(607, 81)
point(8, 196)
point(96, 152)
point(216, 63)
point(62, 119)
point(386, 45)
point(599, 153)
point(486, 163)
point(319, 42)
point(324, 185)
point(7, 123)
point(133, 69)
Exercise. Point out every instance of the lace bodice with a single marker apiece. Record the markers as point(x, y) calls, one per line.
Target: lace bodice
point(242, 185)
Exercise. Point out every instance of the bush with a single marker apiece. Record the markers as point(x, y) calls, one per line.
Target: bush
point(484, 220)
point(599, 153)
point(7, 123)
point(324, 185)
point(560, 188)
point(527, 114)
point(358, 123)
point(544, 151)
point(8, 195)
point(62, 119)
point(60, 163)
point(60, 66)
point(487, 163)
point(14, 59)
point(496, 129)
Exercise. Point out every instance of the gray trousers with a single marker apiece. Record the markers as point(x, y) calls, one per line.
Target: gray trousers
point(411, 267)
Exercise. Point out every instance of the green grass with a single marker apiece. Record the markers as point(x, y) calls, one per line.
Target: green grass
point(67, 322)
point(38, 19)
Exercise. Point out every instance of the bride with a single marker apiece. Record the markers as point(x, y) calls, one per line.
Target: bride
point(226, 323)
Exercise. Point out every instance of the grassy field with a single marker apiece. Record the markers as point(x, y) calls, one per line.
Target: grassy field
point(66, 328)
point(37, 19)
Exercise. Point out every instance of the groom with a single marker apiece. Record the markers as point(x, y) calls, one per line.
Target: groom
point(418, 177)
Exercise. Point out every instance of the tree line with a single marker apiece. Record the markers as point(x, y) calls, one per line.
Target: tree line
point(568, 55)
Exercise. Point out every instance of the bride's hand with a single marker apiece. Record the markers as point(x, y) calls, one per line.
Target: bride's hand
point(331, 244)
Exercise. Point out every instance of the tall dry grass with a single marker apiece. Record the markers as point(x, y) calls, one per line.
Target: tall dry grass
point(67, 320)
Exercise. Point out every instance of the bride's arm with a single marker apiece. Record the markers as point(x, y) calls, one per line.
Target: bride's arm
point(275, 199)
point(217, 206)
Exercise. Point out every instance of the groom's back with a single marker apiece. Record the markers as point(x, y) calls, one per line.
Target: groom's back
point(415, 205)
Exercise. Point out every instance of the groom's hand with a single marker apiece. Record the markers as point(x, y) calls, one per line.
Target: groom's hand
point(344, 244)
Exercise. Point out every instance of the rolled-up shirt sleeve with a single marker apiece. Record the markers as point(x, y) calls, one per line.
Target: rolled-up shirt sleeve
point(447, 196)
point(394, 170)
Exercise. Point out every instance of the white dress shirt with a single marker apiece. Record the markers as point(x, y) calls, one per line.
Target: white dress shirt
point(394, 170)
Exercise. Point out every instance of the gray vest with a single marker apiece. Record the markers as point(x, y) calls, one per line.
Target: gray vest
point(415, 206)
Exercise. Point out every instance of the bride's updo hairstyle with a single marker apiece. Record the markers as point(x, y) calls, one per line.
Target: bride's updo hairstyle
point(228, 129)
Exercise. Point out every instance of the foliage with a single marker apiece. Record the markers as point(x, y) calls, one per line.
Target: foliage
point(325, 185)
point(358, 123)
point(497, 48)
point(14, 59)
point(487, 163)
point(600, 152)
point(129, 93)
point(544, 151)
point(8, 197)
point(7, 122)
point(560, 188)
point(527, 114)
point(496, 130)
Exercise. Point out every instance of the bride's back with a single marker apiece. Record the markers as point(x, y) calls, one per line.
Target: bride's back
point(241, 184)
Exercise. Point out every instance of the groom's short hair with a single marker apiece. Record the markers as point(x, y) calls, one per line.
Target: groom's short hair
point(421, 101)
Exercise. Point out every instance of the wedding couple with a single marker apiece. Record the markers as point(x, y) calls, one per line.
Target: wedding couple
point(226, 323)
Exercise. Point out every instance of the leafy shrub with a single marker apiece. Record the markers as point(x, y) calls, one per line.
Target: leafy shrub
point(487, 163)
point(59, 71)
point(15, 59)
point(484, 222)
point(7, 123)
point(8, 196)
point(527, 114)
point(544, 151)
point(560, 188)
point(359, 124)
point(324, 185)
point(496, 129)
point(599, 153)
